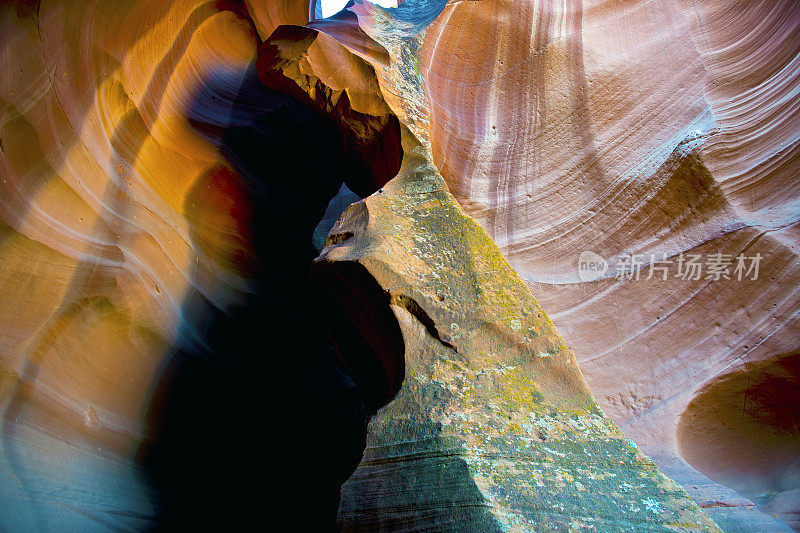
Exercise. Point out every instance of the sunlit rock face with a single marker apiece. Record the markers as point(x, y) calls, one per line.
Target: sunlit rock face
point(635, 128)
point(164, 167)
point(493, 428)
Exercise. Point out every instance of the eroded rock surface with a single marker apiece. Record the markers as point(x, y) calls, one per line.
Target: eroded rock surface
point(494, 428)
point(659, 131)
point(164, 166)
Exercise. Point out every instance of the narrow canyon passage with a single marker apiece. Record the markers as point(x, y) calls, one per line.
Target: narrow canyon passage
point(260, 266)
point(254, 396)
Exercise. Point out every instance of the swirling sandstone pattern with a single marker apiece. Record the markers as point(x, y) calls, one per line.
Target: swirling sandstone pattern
point(155, 201)
point(634, 128)
point(136, 227)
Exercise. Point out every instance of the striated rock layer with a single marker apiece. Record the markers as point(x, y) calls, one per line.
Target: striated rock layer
point(494, 428)
point(164, 166)
point(664, 131)
point(158, 203)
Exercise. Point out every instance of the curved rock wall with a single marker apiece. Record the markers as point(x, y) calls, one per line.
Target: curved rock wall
point(157, 208)
point(667, 132)
point(133, 218)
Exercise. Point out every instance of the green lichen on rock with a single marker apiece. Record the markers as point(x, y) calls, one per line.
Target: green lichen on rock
point(494, 427)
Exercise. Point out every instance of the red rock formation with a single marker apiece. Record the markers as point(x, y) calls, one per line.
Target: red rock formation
point(130, 220)
point(741, 429)
point(624, 128)
point(494, 427)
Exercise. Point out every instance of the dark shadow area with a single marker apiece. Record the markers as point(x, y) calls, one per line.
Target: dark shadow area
point(254, 418)
point(363, 328)
point(372, 142)
point(742, 429)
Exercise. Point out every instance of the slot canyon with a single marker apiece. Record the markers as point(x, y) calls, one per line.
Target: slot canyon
point(402, 265)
